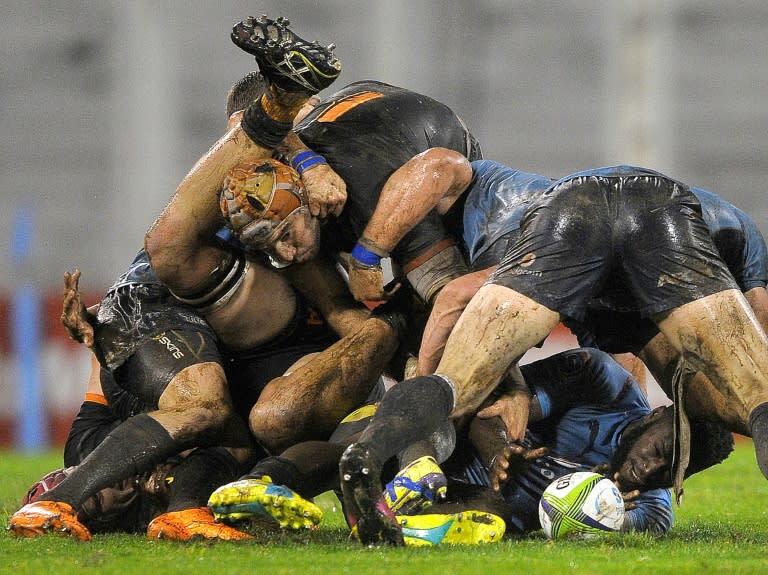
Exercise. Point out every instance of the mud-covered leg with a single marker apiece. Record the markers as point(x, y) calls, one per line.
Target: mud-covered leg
point(720, 336)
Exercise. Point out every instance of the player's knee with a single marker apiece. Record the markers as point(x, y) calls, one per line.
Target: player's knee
point(274, 426)
point(201, 423)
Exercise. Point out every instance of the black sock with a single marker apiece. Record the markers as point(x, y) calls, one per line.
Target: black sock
point(201, 472)
point(758, 427)
point(422, 448)
point(440, 446)
point(280, 470)
point(309, 468)
point(93, 423)
point(409, 412)
point(135, 446)
point(262, 128)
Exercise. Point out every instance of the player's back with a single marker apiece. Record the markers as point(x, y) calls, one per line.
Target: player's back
point(367, 130)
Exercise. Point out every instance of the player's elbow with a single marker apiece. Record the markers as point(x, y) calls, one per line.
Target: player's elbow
point(451, 169)
point(162, 257)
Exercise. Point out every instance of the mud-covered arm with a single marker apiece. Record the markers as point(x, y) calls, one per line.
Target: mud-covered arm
point(321, 284)
point(500, 457)
point(512, 405)
point(431, 180)
point(181, 242)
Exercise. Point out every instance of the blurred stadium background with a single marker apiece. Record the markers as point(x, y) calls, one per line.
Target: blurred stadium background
point(107, 104)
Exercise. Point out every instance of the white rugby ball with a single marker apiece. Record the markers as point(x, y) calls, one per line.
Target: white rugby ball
point(581, 503)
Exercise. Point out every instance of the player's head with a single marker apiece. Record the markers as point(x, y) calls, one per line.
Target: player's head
point(644, 458)
point(243, 92)
point(265, 204)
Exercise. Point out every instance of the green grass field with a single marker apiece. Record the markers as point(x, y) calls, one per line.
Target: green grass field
point(722, 527)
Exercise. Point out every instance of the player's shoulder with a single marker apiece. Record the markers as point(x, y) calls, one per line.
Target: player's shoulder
point(355, 89)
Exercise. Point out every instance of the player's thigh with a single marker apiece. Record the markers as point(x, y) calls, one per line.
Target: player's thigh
point(498, 326)
point(186, 358)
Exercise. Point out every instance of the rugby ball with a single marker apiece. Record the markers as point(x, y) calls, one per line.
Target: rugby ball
point(581, 503)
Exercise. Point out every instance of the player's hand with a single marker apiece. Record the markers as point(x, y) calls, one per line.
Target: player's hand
point(74, 315)
point(511, 461)
point(367, 282)
point(513, 411)
point(326, 191)
point(630, 499)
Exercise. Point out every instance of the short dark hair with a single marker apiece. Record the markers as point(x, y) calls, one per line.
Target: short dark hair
point(711, 444)
point(245, 91)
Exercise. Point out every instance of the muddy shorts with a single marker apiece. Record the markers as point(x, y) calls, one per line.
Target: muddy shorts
point(634, 241)
point(146, 337)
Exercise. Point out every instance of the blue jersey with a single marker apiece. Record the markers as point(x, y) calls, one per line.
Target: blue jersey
point(587, 400)
point(497, 199)
point(737, 239)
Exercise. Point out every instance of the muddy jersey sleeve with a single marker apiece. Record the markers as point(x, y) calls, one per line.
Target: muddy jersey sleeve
point(653, 514)
point(737, 238)
point(754, 271)
point(497, 199)
point(580, 377)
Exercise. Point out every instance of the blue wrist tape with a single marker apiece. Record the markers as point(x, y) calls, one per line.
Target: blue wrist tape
point(302, 161)
point(364, 256)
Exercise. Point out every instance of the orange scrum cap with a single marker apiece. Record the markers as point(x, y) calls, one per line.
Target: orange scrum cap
point(257, 196)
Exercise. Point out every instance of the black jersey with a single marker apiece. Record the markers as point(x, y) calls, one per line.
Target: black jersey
point(366, 131)
point(137, 307)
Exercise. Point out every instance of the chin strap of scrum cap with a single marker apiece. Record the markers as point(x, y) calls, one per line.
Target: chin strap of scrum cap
point(681, 453)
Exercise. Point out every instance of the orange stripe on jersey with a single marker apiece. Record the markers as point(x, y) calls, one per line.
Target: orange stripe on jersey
point(344, 105)
point(96, 398)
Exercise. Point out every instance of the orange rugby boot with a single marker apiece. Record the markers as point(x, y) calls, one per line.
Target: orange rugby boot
point(190, 524)
point(42, 517)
